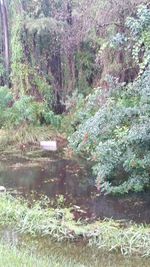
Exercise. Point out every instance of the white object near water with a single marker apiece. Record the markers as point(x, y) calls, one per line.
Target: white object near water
point(2, 189)
point(49, 145)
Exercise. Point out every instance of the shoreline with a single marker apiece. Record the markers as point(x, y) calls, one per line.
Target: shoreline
point(108, 235)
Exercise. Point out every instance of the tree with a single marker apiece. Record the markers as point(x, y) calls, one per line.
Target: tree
point(4, 19)
point(114, 132)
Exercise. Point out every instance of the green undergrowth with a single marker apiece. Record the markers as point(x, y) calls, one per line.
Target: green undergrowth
point(40, 220)
point(27, 135)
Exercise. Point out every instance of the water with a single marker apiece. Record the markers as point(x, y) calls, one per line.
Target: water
point(55, 177)
point(77, 252)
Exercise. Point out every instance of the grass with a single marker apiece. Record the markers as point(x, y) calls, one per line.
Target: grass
point(25, 135)
point(39, 220)
point(14, 257)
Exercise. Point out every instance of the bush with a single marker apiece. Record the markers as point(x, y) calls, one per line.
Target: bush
point(6, 99)
point(51, 118)
point(79, 109)
point(116, 137)
point(27, 111)
point(24, 109)
point(114, 131)
point(140, 36)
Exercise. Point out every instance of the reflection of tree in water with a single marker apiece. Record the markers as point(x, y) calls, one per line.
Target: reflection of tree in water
point(58, 177)
point(68, 178)
point(24, 178)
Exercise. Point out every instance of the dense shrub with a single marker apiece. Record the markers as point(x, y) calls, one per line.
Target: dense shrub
point(24, 109)
point(140, 35)
point(5, 100)
point(50, 118)
point(78, 109)
point(114, 130)
point(5, 97)
point(116, 137)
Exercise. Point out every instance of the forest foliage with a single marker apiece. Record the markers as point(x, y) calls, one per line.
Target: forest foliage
point(114, 133)
point(58, 52)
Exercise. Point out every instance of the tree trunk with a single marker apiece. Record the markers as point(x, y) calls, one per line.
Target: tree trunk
point(4, 18)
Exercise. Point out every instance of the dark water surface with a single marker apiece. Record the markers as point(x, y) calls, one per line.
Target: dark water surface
point(55, 177)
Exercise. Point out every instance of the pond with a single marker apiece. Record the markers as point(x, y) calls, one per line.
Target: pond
point(71, 182)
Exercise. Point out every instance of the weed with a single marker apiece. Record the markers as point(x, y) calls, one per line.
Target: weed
point(59, 223)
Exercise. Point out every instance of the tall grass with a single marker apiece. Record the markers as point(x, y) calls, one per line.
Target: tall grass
point(106, 235)
point(25, 135)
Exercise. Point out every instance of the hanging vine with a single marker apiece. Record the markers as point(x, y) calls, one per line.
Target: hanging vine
point(19, 67)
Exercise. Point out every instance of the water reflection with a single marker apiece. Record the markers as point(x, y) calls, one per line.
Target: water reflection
point(72, 180)
point(76, 252)
point(52, 178)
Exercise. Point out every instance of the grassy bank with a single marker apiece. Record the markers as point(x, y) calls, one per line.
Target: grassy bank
point(39, 220)
point(25, 141)
point(27, 135)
